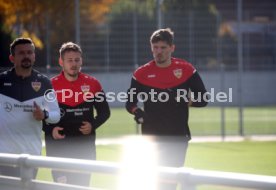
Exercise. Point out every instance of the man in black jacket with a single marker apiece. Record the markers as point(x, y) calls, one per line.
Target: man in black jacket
point(74, 136)
point(168, 87)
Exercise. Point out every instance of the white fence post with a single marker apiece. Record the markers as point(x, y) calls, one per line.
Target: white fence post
point(26, 172)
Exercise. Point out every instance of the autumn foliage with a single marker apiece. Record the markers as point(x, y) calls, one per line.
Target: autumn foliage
point(29, 17)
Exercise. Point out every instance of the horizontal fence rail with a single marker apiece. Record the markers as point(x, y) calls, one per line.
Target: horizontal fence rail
point(189, 178)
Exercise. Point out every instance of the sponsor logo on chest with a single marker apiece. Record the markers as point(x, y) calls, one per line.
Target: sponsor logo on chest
point(7, 84)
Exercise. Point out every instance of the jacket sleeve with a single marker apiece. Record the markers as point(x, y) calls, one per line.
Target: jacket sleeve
point(132, 95)
point(51, 105)
point(47, 128)
point(102, 110)
point(197, 87)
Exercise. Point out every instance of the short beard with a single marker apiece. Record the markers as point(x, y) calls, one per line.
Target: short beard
point(26, 66)
point(161, 62)
point(26, 63)
point(73, 75)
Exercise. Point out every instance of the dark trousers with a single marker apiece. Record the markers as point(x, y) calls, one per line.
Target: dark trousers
point(171, 153)
point(72, 147)
point(74, 178)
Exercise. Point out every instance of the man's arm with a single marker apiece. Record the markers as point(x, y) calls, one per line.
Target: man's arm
point(103, 112)
point(198, 89)
point(52, 111)
point(132, 100)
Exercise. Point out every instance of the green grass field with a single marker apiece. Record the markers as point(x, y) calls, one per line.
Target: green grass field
point(245, 157)
point(202, 122)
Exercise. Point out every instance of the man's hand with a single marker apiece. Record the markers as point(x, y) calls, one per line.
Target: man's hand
point(86, 128)
point(139, 116)
point(56, 133)
point(38, 113)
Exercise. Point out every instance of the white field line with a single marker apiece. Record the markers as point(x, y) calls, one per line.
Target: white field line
point(195, 139)
point(236, 118)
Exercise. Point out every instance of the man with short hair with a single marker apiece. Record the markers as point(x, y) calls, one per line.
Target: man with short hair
point(167, 82)
point(79, 95)
point(23, 104)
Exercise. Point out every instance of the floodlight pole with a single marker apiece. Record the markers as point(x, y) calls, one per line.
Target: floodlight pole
point(191, 34)
point(240, 67)
point(77, 21)
point(159, 14)
point(222, 77)
point(48, 44)
point(135, 39)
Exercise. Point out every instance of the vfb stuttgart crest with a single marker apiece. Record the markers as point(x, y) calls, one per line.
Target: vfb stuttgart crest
point(177, 73)
point(36, 86)
point(85, 88)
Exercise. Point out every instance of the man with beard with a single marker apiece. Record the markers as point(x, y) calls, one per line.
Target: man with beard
point(166, 83)
point(23, 105)
point(82, 113)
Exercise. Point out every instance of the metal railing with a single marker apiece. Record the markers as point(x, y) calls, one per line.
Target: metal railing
point(189, 178)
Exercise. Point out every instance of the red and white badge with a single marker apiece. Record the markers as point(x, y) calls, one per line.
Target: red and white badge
point(36, 86)
point(177, 73)
point(85, 88)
